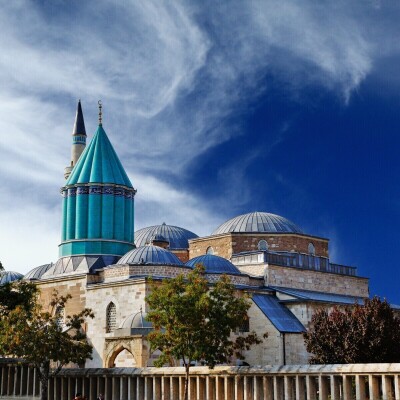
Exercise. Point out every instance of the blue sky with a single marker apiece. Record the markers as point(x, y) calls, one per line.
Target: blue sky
point(215, 109)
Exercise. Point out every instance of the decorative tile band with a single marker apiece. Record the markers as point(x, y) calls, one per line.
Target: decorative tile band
point(116, 191)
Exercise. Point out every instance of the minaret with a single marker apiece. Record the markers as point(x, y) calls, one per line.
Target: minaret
point(98, 204)
point(78, 140)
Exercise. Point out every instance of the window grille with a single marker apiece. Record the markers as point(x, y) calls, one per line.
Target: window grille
point(245, 326)
point(111, 317)
point(59, 314)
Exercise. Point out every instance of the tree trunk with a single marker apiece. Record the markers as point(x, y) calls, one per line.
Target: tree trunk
point(43, 391)
point(44, 373)
point(187, 367)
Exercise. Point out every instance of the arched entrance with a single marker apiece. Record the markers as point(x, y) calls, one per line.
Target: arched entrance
point(125, 352)
point(122, 358)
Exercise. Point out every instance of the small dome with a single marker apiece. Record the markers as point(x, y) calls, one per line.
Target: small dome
point(9, 276)
point(214, 264)
point(176, 236)
point(258, 222)
point(136, 320)
point(36, 273)
point(149, 254)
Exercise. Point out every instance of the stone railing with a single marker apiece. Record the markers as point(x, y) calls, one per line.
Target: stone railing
point(291, 382)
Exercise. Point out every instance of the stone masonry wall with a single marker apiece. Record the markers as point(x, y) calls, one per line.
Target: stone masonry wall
point(317, 281)
point(128, 299)
point(270, 350)
point(73, 285)
point(228, 244)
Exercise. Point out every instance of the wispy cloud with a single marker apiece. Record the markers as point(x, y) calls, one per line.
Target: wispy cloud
point(170, 76)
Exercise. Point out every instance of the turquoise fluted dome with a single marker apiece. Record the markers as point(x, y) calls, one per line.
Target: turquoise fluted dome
point(98, 206)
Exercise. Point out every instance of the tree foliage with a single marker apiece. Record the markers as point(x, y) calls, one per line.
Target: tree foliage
point(193, 322)
point(1, 267)
point(18, 293)
point(38, 337)
point(368, 333)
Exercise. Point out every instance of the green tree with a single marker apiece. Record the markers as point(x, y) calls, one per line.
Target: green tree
point(18, 293)
point(39, 337)
point(1, 267)
point(193, 322)
point(368, 333)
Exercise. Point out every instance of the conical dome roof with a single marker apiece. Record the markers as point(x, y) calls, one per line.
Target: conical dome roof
point(99, 163)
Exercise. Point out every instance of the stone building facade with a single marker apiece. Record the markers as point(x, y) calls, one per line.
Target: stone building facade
point(103, 266)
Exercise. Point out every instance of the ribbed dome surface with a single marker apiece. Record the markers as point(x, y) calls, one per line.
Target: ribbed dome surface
point(256, 222)
point(176, 236)
point(99, 163)
point(152, 255)
point(36, 273)
point(213, 264)
point(9, 276)
point(136, 320)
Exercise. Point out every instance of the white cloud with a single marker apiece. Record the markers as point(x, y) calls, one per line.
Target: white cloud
point(170, 76)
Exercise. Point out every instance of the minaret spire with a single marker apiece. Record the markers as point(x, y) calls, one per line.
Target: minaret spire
point(78, 139)
point(100, 113)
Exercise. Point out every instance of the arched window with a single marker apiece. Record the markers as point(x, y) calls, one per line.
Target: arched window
point(59, 314)
point(210, 250)
point(111, 317)
point(262, 245)
point(311, 249)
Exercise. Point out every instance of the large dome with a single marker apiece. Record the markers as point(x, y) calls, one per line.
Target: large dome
point(9, 276)
point(258, 222)
point(214, 264)
point(151, 255)
point(176, 236)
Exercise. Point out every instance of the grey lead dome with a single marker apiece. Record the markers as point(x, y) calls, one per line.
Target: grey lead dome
point(150, 255)
point(177, 237)
point(258, 222)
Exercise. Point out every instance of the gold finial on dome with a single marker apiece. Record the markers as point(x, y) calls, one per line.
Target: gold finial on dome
point(100, 112)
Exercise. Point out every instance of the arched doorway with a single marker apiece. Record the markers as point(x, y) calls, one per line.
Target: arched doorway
point(122, 358)
point(125, 352)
